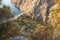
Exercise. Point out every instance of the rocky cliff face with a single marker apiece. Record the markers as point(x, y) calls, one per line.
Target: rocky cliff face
point(45, 10)
point(37, 9)
point(54, 17)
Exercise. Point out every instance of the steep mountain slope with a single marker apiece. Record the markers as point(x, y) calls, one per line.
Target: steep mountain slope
point(45, 10)
point(37, 9)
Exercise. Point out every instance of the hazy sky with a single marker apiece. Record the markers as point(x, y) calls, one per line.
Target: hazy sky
point(6, 0)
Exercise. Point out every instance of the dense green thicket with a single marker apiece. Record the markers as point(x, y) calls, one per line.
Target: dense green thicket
point(37, 30)
point(26, 26)
point(19, 27)
point(8, 29)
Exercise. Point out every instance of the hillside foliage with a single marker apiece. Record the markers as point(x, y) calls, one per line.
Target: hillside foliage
point(25, 26)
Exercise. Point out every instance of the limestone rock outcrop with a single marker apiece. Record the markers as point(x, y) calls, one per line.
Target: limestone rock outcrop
point(37, 9)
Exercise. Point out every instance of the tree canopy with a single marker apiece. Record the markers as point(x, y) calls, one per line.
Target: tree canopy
point(5, 13)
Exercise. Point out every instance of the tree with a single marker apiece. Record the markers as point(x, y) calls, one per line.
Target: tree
point(5, 13)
